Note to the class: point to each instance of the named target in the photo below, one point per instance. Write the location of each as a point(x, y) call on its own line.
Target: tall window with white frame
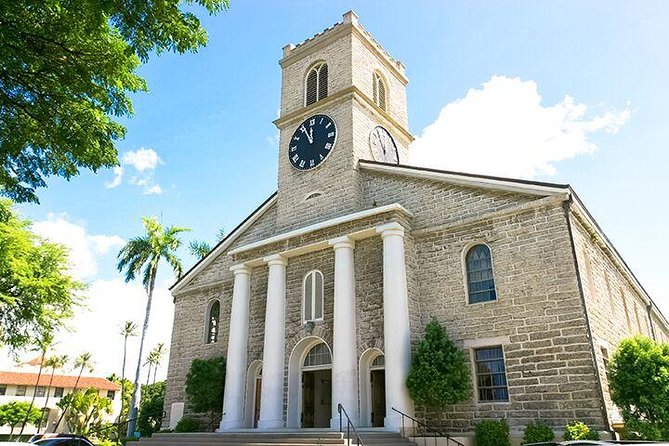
point(379, 91)
point(316, 87)
point(212, 321)
point(313, 296)
point(491, 374)
point(480, 279)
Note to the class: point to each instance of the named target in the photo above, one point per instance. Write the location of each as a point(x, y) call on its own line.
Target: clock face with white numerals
point(383, 146)
point(312, 142)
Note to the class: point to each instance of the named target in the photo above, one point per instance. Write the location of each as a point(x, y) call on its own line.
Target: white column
point(396, 332)
point(271, 396)
point(345, 358)
point(235, 372)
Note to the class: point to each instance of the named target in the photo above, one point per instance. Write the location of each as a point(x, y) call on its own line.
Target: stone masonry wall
point(615, 308)
point(538, 318)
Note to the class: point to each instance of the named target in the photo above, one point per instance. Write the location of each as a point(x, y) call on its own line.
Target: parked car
point(62, 440)
point(13, 443)
point(599, 443)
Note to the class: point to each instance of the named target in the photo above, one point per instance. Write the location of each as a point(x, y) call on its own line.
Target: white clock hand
point(310, 135)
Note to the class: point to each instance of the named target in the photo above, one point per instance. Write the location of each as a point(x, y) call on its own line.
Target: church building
point(317, 298)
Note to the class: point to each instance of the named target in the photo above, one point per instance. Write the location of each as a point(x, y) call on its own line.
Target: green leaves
point(151, 408)
point(14, 412)
point(37, 294)
point(205, 383)
point(639, 383)
point(439, 373)
point(66, 68)
point(85, 410)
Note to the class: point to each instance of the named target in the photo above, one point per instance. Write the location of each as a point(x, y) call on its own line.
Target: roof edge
point(223, 244)
point(468, 179)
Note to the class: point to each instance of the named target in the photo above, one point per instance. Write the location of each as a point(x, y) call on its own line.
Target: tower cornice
point(349, 93)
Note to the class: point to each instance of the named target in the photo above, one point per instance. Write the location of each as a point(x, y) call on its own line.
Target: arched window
point(212, 321)
point(318, 356)
point(379, 91)
point(313, 296)
point(480, 280)
point(317, 84)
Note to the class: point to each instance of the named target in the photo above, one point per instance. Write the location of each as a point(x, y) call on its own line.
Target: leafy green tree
point(85, 410)
point(492, 433)
point(639, 383)
point(537, 433)
point(142, 255)
point(205, 383)
point(439, 373)
point(14, 412)
point(37, 293)
point(151, 408)
point(154, 359)
point(66, 69)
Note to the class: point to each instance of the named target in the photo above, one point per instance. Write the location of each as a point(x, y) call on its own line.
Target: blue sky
point(208, 119)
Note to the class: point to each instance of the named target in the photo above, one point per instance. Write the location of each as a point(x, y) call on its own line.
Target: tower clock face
point(383, 146)
point(312, 142)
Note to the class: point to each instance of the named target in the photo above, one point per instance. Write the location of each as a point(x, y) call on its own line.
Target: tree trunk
point(76, 383)
point(32, 400)
point(134, 403)
point(46, 403)
point(155, 372)
point(148, 375)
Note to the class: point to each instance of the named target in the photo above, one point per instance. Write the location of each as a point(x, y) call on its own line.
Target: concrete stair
point(302, 437)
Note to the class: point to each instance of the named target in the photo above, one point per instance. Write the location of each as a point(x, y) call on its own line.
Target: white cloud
point(96, 328)
point(503, 129)
point(83, 247)
point(155, 189)
point(141, 159)
point(118, 178)
point(144, 162)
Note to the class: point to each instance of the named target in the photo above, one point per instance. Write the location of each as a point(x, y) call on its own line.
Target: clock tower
point(343, 98)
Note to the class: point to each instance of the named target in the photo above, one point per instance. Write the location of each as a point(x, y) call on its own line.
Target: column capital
point(392, 228)
point(275, 259)
point(342, 242)
point(240, 268)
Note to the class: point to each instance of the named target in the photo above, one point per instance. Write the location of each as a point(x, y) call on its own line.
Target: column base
point(394, 423)
point(270, 424)
point(334, 423)
point(227, 425)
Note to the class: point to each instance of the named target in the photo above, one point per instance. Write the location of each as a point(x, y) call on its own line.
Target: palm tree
point(128, 330)
point(142, 255)
point(159, 353)
point(83, 361)
point(55, 362)
point(43, 345)
point(199, 248)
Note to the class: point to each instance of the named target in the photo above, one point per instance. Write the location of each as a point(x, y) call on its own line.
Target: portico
point(280, 406)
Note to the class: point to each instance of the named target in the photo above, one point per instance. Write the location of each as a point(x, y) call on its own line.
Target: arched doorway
point(372, 388)
point(253, 388)
point(310, 384)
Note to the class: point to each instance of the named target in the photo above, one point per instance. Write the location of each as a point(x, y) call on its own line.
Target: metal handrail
point(439, 433)
point(349, 426)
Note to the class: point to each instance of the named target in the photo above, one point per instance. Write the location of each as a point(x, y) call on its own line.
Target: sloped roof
point(66, 381)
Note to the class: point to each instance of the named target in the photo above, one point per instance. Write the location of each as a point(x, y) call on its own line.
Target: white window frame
point(311, 318)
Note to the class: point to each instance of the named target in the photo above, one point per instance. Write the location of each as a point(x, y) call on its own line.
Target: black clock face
point(312, 142)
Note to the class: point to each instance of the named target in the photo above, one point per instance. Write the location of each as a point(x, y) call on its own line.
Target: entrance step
point(307, 437)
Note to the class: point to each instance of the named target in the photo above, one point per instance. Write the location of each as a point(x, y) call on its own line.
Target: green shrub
point(577, 430)
point(439, 373)
point(187, 425)
point(492, 433)
point(537, 432)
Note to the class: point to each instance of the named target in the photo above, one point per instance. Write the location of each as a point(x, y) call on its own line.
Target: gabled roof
point(65, 381)
point(223, 244)
point(467, 179)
